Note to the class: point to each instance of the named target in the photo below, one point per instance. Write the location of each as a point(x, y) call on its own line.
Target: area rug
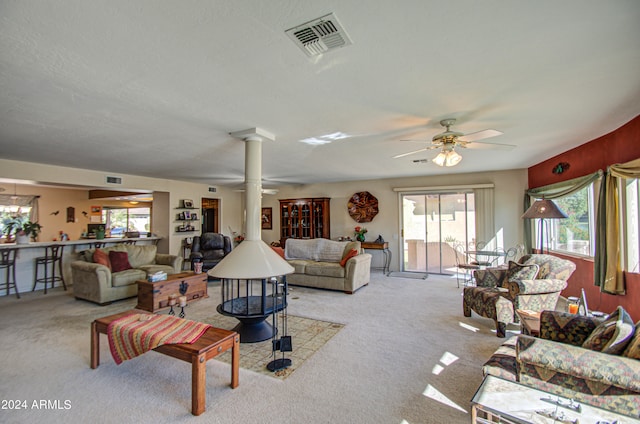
point(307, 337)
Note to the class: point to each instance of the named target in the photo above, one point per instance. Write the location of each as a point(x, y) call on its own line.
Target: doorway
point(433, 224)
point(210, 215)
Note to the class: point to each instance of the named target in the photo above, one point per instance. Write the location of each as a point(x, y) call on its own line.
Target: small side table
point(530, 322)
point(186, 253)
point(385, 251)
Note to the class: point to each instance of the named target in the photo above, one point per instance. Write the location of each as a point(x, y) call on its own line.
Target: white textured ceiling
point(154, 87)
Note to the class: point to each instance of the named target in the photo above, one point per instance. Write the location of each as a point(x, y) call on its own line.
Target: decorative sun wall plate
point(363, 206)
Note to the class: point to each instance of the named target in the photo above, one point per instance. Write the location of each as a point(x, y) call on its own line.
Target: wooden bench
point(212, 343)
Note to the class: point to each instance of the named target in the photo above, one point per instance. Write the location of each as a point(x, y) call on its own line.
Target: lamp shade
point(447, 158)
point(544, 209)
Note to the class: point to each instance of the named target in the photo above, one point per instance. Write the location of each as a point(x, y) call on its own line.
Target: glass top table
point(502, 401)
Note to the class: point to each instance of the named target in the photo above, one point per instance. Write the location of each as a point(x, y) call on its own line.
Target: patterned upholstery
point(491, 303)
point(566, 328)
point(613, 334)
point(503, 362)
point(633, 349)
point(556, 363)
point(494, 289)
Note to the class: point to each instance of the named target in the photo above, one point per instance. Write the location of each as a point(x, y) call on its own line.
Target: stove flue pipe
point(253, 258)
point(253, 186)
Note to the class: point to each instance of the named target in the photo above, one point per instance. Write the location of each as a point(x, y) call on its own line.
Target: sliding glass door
point(432, 225)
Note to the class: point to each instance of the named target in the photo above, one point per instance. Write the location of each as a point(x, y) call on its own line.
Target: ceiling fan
point(449, 140)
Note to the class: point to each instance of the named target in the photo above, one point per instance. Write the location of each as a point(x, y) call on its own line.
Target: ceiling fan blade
point(484, 145)
point(417, 141)
point(480, 135)
point(410, 153)
point(264, 190)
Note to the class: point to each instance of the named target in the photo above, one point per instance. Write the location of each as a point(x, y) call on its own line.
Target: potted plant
point(11, 225)
point(359, 232)
point(100, 232)
point(30, 230)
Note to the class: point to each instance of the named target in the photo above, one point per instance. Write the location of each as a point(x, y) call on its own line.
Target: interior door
point(210, 216)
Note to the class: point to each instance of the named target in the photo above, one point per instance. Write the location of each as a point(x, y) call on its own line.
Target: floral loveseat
point(588, 359)
point(108, 274)
point(327, 264)
point(534, 283)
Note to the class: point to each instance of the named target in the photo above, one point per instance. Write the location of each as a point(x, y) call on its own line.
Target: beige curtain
point(485, 217)
point(607, 267)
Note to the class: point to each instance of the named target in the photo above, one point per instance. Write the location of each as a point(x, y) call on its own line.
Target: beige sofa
point(97, 283)
point(317, 264)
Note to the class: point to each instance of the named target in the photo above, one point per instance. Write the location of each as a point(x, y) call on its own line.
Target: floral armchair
point(533, 283)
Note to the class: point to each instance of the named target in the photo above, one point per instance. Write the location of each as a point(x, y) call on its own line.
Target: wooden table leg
point(198, 384)
point(235, 362)
point(95, 346)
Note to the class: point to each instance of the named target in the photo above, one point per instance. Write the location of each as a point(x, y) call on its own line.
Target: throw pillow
point(101, 257)
point(279, 250)
point(613, 334)
point(349, 255)
point(633, 348)
point(119, 261)
point(517, 272)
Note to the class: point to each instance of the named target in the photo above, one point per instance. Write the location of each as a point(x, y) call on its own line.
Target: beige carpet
point(406, 355)
point(308, 336)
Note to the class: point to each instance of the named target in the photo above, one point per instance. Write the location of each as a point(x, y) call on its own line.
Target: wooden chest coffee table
point(155, 296)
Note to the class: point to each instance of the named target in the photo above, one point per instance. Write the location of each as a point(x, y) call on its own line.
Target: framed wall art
point(267, 222)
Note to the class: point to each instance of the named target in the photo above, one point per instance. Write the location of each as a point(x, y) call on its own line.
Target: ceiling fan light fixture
point(447, 158)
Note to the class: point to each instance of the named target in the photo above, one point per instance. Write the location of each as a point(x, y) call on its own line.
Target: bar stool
point(52, 255)
point(8, 261)
point(99, 244)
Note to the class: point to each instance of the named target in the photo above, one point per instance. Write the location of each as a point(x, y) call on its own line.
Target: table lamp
point(543, 209)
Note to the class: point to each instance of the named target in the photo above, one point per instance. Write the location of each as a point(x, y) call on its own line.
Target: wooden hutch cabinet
point(304, 218)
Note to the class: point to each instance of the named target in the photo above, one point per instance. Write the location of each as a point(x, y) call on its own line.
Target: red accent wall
point(619, 146)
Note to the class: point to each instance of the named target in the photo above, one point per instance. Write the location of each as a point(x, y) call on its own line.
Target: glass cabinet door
point(317, 219)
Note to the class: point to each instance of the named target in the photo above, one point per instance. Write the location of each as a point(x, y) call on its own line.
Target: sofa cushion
point(518, 271)
point(299, 265)
point(141, 254)
point(87, 255)
point(503, 362)
point(119, 261)
point(613, 334)
point(633, 348)
point(127, 277)
point(349, 255)
point(101, 257)
point(322, 250)
point(324, 269)
point(279, 250)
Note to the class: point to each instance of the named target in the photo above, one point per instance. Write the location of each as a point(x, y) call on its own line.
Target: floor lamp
point(543, 209)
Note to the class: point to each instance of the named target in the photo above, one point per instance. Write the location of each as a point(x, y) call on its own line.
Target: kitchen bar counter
point(27, 252)
point(75, 243)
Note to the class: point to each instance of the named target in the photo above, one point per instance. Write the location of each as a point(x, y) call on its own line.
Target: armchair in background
point(209, 248)
point(534, 284)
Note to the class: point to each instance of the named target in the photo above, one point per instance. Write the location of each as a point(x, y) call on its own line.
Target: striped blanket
point(136, 334)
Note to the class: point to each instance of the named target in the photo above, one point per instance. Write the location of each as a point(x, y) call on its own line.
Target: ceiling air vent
point(319, 35)
point(114, 180)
